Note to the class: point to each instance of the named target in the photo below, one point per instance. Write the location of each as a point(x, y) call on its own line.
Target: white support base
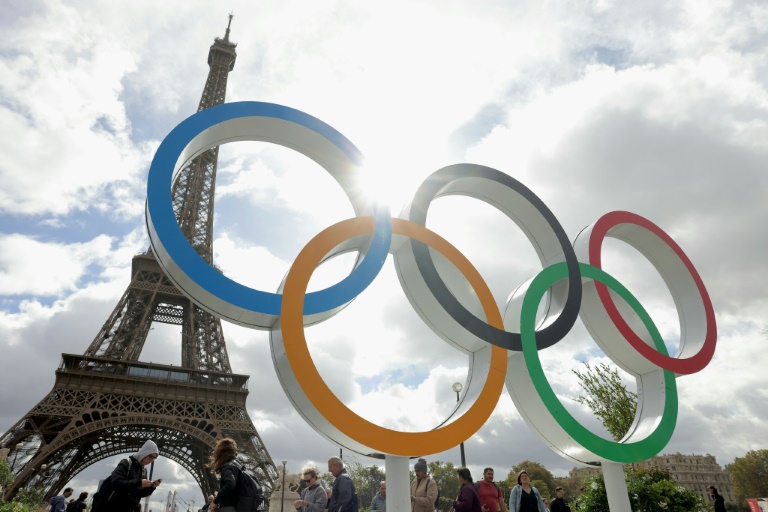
point(398, 484)
point(616, 487)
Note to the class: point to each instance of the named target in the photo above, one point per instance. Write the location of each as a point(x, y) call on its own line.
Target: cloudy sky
point(658, 108)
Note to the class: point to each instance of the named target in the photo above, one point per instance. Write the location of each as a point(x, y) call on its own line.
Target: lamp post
point(282, 493)
point(457, 387)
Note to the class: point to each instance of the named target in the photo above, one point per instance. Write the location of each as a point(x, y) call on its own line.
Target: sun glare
point(379, 186)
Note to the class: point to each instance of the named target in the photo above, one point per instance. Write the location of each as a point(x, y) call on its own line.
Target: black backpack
point(437, 500)
point(250, 498)
point(105, 493)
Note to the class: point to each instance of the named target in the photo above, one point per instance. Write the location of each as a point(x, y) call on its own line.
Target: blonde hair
point(310, 470)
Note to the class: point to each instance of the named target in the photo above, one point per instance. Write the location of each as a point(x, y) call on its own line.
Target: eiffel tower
point(108, 402)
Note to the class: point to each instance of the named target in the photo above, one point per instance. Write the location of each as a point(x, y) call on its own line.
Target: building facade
point(694, 472)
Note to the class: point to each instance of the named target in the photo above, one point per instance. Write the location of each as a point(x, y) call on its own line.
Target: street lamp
point(282, 494)
point(457, 387)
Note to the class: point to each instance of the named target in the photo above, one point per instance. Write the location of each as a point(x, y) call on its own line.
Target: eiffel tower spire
point(107, 402)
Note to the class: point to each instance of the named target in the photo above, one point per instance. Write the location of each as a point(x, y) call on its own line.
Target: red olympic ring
point(607, 225)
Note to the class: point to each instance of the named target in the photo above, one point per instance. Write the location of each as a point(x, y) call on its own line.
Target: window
point(157, 373)
point(179, 376)
point(136, 371)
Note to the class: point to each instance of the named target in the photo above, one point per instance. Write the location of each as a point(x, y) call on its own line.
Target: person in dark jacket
point(718, 500)
point(468, 500)
point(128, 482)
point(223, 462)
point(343, 489)
point(559, 504)
point(208, 503)
point(79, 505)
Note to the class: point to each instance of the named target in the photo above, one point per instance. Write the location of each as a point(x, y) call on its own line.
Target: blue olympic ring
point(162, 223)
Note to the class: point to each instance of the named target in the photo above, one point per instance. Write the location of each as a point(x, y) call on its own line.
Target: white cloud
point(65, 133)
point(254, 267)
point(30, 267)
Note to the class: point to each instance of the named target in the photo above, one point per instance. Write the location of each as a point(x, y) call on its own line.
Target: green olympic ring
point(624, 452)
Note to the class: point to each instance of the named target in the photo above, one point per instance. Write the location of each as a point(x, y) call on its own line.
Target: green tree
point(541, 478)
point(28, 499)
point(15, 506)
point(571, 486)
point(6, 476)
point(608, 398)
point(732, 507)
point(749, 475)
point(366, 480)
point(650, 490)
point(447, 479)
point(325, 479)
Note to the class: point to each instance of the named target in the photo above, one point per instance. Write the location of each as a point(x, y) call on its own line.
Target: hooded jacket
point(124, 491)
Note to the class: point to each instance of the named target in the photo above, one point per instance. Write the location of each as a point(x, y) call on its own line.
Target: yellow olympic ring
point(314, 387)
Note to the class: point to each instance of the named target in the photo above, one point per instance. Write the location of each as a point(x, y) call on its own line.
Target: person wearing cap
point(525, 497)
point(129, 482)
point(423, 489)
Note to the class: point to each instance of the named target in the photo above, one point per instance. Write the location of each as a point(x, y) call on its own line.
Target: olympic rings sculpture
point(447, 292)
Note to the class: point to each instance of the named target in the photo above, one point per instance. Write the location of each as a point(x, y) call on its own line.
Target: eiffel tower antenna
point(107, 402)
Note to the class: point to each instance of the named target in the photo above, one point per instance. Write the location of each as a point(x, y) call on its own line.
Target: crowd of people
point(128, 484)
point(481, 496)
point(65, 503)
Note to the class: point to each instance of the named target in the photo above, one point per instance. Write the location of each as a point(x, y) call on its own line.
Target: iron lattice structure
point(106, 402)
